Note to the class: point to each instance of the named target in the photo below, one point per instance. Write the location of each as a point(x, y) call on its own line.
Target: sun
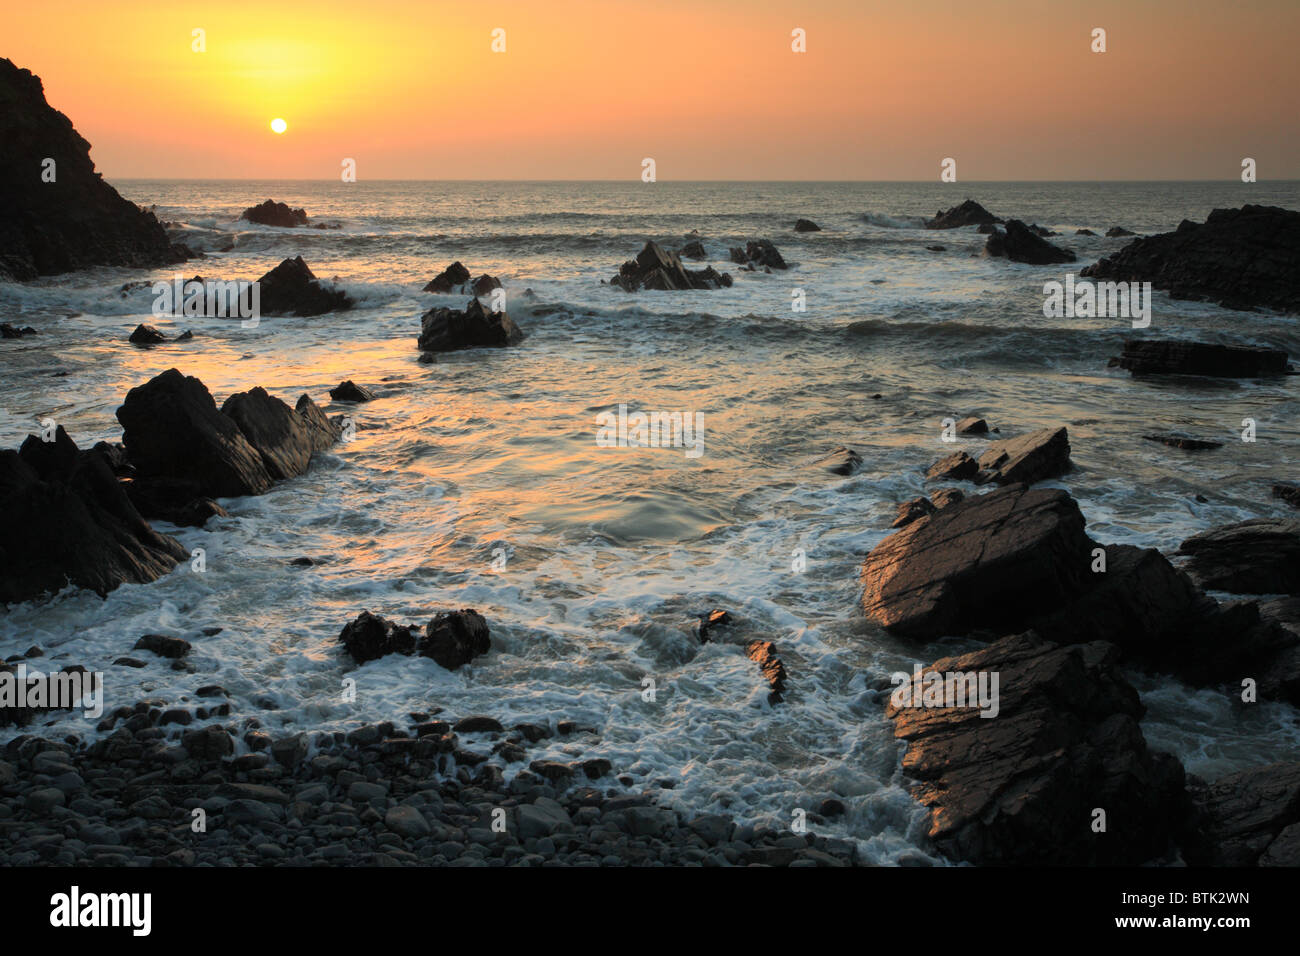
point(278, 125)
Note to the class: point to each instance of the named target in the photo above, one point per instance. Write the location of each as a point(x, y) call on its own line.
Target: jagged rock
point(972, 426)
point(958, 466)
point(76, 220)
point(758, 252)
point(1115, 232)
point(909, 511)
point(945, 497)
point(714, 620)
point(1038, 230)
point(806, 225)
point(841, 461)
point(454, 638)
point(659, 270)
point(693, 250)
point(1259, 556)
point(292, 289)
point(172, 429)
point(485, 284)
point(1084, 232)
point(1185, 442)
point(1019, 244)
point(1240, 258)
point(349, 391)
point(8, 331)
point(146, 335)
point(275, 430)
point(1250, 818)
point(969, 213)
point(324, 431)
point(66, 520)
point(1166, 357)
point(447, 330)
point(449, 280)
point(764, 654)
point(371, 637)
point(175, 500)
point(271, 213)
point(1022, 788)
point(1027, 459)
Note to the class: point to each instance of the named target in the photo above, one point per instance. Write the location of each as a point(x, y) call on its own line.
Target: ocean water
point(610, 552)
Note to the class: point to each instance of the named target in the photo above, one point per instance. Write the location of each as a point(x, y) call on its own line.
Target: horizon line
point(978, 182)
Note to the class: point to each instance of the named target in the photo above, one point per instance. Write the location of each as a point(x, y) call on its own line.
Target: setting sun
point(278, 125)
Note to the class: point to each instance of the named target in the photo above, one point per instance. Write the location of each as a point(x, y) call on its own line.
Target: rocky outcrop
point(693, 250)
point(455, 280)
point(763, 653)
point(452, 639)
point(1116, 232)
point(969, 213)
point(275, 430)
point(350, 391)
point(449, 330)
point(1019, 243)
point(1240, 258)
point(1167, 357)
point(65, 217)
point(271, 213)
point(1027, 459)
point(371, 637)
point(65, 519)
point(1251, 818)
point(806, 225)
point(1260, 556)
point(146, 335)
point(292, 289)
point(657, 269)
point(759, 254)
point(8, 331)
point(1023, 788)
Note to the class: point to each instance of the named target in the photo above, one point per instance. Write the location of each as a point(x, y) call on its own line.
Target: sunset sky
point(708, 88)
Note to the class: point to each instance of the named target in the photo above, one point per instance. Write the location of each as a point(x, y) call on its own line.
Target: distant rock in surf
point(969, 213)
point(806, 225)
point(841, 461)
point(1115, 232)
point(59, 214)
point(1020, 244)
point(350, 391)
point(1084, 232)
point(1240, 258)
point(146, 335)
point(271, 213)
point(759, 253)
point(1184, 442)
point(1169, 357)
point(8, 331)
point(657, 269)
point(693, 250)
point(452, 639)
point(449, 330)
point(292, 289)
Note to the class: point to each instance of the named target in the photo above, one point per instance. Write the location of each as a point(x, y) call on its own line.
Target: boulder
point(172, 648)
point(1240, 258)
point(1021, 789)
point(146, 335)
point(1167, 357)
point(292, 289)
point(909, 511)
point(271, 213)
point(1259, 556)
point(969, 213)
point(350, 391)
point(972, 426)
point(450, 280)
point(1115, 232)
point(65, 520)
point(958, 466)
point(758, 253)
point(485, 284)
point(448, 330)
point(806, 225)
point(693, 250)
point(371, 637)
point(75, 221)
point(172, 429)
point(454, 638)
point(763, 653)
point(659, 270)
point(1019, 244)
point(323, 431)
point(1084, 232)
point(276, 431)
point(1250, 818)
point(1026, 459)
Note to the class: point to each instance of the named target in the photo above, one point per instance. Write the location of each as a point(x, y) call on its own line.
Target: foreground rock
point(271, 213)
point(291, 288)
point(449, 330)
point(1022, 788)
point(969, 213)
point(66, 520)
point(1260, 556)
point(1019, 243)
point(1029, 458)
point(1251, 818)
point(759, 253)
point(657, 269)
point(1240, 258)
point(76, 220)
point(452, 638)
point(1165, 357)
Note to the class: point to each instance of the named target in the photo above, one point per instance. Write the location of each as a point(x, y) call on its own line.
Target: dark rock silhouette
point(1167, 357)
point(758, 253)
point(660, 270)
point(271, 213)
point(1259, 556)
point(969, 213)
point(806, 225)
point(1020, 244)
point(350, 391)
point(448, 330)
point(292, 289)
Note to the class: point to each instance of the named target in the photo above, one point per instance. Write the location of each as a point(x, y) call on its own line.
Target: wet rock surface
point(1167, 357)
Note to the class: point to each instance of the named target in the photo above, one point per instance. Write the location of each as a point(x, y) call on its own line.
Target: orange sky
point(709, 88)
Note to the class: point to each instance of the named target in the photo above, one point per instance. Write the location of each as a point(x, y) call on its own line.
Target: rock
point(909, 511)
point(449, 280)
point(485, 284)
point(958, 466)
point(542, 818)
point(1117, 231)
point(448, 330)
point(1022, 788)
point(1240, 258)
point(323, 431)
point(1249, 818)
point(271, 213)
point(937, 248)
point(987, 229)
point(945, 497)
point(759, 252)
point(1019, 244)
point(1027, 459)
point(714, 620)
point(172, 429)
point(806, 225)
point(596, 768)
point(1165, 357)
point(169, 647)
point(1259, 556)
point(276, 431)
point(972, 426)
point(454, 638)
point(371, 637)
point(478, 725)
point(407, 822)
point(146, 335)
point(1288, 492)
point(75, 221)
point(1038, 230)
point(764, 654)
point(291, 288)
point(176, 500)
point(657, 269)
point(8, 331)
point(693, 250)
point(841, 461)
point(1084, 232)
point(969, 213)
point(208, 743)
point(67, 520)
point(1185, 442)
point(350, 391)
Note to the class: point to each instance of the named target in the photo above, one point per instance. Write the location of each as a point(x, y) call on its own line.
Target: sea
point(478, 481)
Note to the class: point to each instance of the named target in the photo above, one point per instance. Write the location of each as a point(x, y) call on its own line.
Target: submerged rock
point(271, 213)
point(1240, 258)
point(1165, 357)
point(657, 269)
point(350, 391)
point(448, 330)
point(292, 289)
point(806, 225)
point(1019, 244)
point(969, 213)
point(758, 252)
point(8, 331)
point(1185, 442)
